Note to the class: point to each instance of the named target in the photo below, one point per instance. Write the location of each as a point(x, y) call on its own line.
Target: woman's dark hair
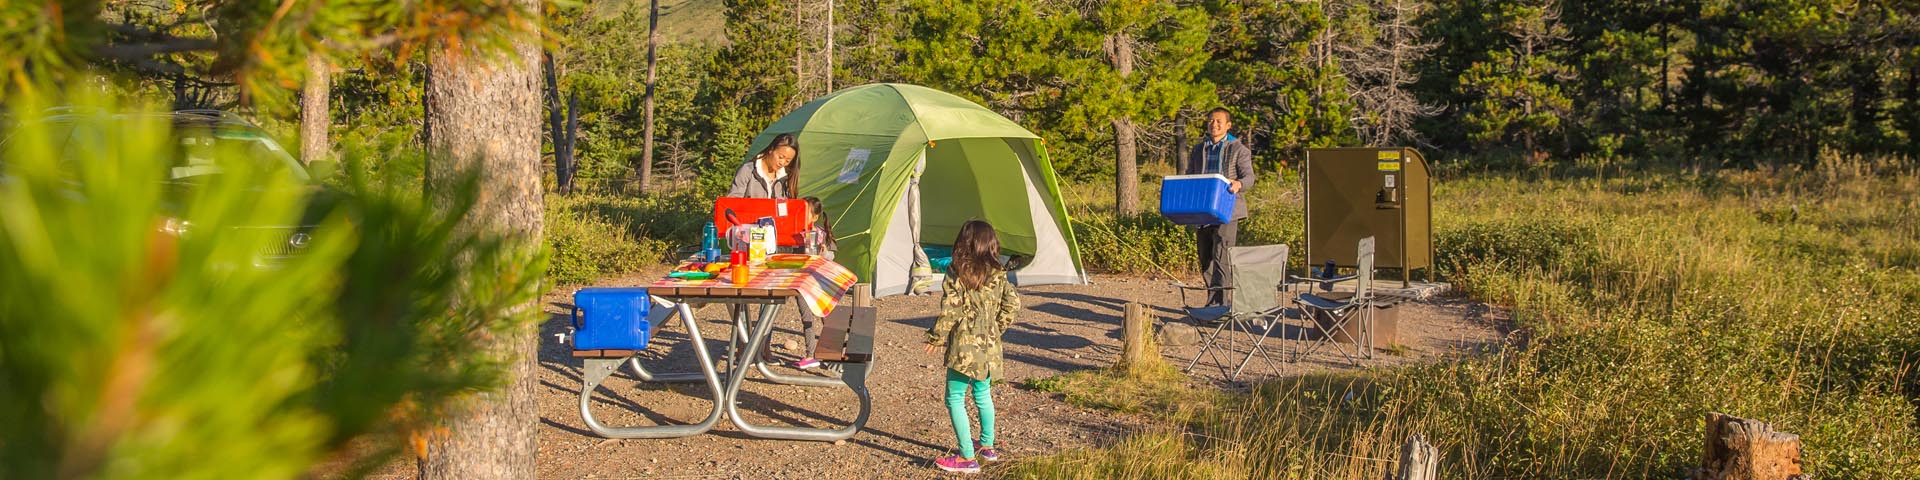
point(793, 166)
point(976, 254)
point(826, 224)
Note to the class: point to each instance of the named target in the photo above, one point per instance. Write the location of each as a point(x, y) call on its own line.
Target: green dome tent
point(860, 146)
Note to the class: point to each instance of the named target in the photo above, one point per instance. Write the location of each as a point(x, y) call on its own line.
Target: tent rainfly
point(859, 148)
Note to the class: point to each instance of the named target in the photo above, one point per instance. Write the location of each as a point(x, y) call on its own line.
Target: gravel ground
point(1063, 328)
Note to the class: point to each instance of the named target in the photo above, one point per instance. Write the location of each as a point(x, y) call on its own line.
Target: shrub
point(1511, 244)
point(586, 247)
point(1146, 243)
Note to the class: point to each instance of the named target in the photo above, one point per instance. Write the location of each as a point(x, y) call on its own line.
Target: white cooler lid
point(1216, 176)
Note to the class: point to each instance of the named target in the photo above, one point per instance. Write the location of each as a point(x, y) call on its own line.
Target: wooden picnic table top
point(723, 292)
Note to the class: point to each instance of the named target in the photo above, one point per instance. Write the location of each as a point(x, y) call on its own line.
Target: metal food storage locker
point(1385, 193)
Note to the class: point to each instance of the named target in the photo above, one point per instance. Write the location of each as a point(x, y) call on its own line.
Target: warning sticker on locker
point(1389, 161)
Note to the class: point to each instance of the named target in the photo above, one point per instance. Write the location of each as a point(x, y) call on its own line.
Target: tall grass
point(1640, 304)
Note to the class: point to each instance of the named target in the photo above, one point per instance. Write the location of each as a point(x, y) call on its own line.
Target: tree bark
point(313, 111)
point(1419, 460)
point(1126, 189)
point(557, 128)
point(1180, 150)
point(426, 104)
point(1137, 352)
point(1743, 449)
point(646, 131)
point(830, 46)
point(485, 118)
point(572, 140)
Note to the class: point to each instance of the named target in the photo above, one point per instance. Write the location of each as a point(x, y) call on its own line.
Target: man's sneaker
point(957, 464)
point(808, 363)
point(986, 453)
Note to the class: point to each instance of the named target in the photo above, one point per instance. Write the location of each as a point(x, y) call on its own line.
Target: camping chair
point(1335, 318)
point(1258, 273)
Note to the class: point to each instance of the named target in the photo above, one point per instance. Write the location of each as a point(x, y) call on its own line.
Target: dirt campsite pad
point(1061, 329)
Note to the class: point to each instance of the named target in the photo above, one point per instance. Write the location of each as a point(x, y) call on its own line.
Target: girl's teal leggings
point(957, 385)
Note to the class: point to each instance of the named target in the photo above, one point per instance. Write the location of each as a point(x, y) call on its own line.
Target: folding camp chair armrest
point(1184, 289)
point(1295, 278)
point(1190, 287)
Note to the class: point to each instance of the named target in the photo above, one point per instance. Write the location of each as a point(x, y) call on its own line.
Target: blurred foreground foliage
point(130, 350)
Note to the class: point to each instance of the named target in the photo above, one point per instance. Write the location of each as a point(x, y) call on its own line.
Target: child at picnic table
point(977, 307)
point(819, 241)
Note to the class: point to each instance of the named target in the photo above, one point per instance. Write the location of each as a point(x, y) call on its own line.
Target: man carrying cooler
point(1221, 152)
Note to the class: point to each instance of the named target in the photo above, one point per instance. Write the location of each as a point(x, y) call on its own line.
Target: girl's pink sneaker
point(986, 454)
point(957, 464)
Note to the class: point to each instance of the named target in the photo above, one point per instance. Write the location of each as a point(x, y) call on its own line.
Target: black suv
point(197, 136)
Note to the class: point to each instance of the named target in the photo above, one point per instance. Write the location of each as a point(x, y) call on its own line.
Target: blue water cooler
point(611, 319)
point(1196, 199)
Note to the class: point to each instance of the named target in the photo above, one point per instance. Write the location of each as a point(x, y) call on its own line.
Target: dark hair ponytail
point(826, 223)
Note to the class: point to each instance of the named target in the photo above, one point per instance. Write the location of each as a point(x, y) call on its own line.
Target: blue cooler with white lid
point(1196, 199)
point(611, 319)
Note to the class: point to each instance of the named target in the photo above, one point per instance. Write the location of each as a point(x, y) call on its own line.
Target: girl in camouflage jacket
point(978, 306)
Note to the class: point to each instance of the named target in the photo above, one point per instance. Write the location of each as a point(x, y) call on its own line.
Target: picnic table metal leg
point(771, 376)
point(855, 378)
point(598, 369)
point(668, 377)
point(740, 335)
point(673, 377)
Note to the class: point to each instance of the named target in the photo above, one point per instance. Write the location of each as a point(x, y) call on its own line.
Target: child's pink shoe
point(986, 454)
point(808, 363)
point(957, 464)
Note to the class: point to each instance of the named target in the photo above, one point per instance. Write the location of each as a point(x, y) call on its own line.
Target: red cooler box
point(789, 216)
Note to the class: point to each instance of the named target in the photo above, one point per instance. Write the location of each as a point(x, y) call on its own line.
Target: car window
point(201, 151)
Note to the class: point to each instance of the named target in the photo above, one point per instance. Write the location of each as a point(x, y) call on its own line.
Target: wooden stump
point(862, 294)
point(1419, 460)
point(1743, 449)
point(1137, 349)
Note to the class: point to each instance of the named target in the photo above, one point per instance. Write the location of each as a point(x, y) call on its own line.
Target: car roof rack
point(214, 113)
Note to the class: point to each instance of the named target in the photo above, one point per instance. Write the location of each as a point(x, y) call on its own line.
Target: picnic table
point(817, 286)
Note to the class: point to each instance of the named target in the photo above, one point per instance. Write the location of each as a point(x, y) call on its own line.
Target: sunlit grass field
point(1640, 304)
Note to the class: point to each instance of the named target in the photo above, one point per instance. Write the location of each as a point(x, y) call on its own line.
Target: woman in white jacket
point(773, 173)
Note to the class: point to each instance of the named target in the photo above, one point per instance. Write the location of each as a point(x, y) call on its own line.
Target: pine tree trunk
point(485, 118)
point(1127, 172)
point(572, 141)
point(556, 127)
point(426, 105)
point(1127, 167)
point(313, 111)
point(646, 130)
point(1179, 143)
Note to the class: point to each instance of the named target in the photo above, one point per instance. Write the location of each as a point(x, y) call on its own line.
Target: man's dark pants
point(1216, 259)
